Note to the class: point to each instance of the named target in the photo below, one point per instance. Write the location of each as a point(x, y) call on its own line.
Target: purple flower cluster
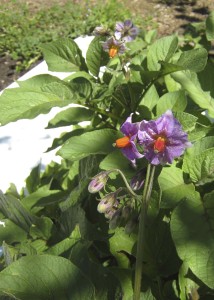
point(161, 140)
point(124, 32)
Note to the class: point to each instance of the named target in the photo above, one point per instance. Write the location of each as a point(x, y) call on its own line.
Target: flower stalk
point(141, 233)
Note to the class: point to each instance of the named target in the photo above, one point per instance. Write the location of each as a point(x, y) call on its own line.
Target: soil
point(170, 17)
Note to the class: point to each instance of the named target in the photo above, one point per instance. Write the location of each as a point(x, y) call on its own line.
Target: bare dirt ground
point(169, 18)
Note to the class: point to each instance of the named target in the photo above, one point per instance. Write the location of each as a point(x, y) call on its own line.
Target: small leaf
point(11, 233)
point(95, 56)
point(161, 50)
point(210, 26)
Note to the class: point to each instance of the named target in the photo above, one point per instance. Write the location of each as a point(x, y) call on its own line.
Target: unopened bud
point(115, 220)
point(101, 31)
point(131, 225)
point(108, 202)
point(98, 182)
point(126, 212)
point(137, 181)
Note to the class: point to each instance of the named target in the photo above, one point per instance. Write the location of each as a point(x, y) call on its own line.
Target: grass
point(23, 29)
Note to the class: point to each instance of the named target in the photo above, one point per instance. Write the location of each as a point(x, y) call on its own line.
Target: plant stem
point(141, 233)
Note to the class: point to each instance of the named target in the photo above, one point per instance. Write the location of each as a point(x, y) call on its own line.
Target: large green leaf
point(192, 226)
point(95, 142)
point(161, 50)
point(63, 55)
point(70, 116)
point(190, 84)
point(19, 103)
point(45, 277)
point(194, 60)
point(210, 26)
point(37, 82)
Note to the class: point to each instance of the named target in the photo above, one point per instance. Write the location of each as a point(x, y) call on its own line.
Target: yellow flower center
point(123, 142)
point(113, 51)
point(160, 144)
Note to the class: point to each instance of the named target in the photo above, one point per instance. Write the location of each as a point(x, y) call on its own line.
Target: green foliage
point(25, 27)
point(54, 241)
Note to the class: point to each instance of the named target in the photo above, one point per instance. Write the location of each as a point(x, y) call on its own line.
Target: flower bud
point(126, 212)
point(131, 225)
point(98, 182)
point(107, 203)
point(115, 220)
point(137, 181)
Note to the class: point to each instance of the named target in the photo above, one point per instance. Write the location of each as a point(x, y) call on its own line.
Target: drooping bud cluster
point(115, 44)
point(117, 209)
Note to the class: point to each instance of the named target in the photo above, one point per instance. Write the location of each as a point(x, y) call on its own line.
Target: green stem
point(126, 183)
point(141, 233)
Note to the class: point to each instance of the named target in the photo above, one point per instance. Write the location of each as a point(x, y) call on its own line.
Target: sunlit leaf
point(45, 277)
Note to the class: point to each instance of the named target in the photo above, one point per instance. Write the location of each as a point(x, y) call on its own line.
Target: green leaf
point(161, 50)
point(210, 26)
point(63, 55)
point(201, 169)
point(81, 86)
point(66, 244)
point(70, 116)
point(175, 101)
point(95, 142)
point(13, 209)
point(116, 160)
point(11, 233)
point(194, 60)
point(37, 82)
point(45, 277)
point(196, 150)
point(173, 187)
point(187, 121)
point(43, 196)
point(201, 98)
point(192, 226)
point(95, 56)
point(186, 285)
point(151, 98)
point(120, 244)
point(125, 278)
point(18, 104)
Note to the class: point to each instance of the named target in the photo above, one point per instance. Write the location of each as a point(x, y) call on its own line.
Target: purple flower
point(126, 31)
point(114, 47)
point(163, 139)
point(127, 144)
